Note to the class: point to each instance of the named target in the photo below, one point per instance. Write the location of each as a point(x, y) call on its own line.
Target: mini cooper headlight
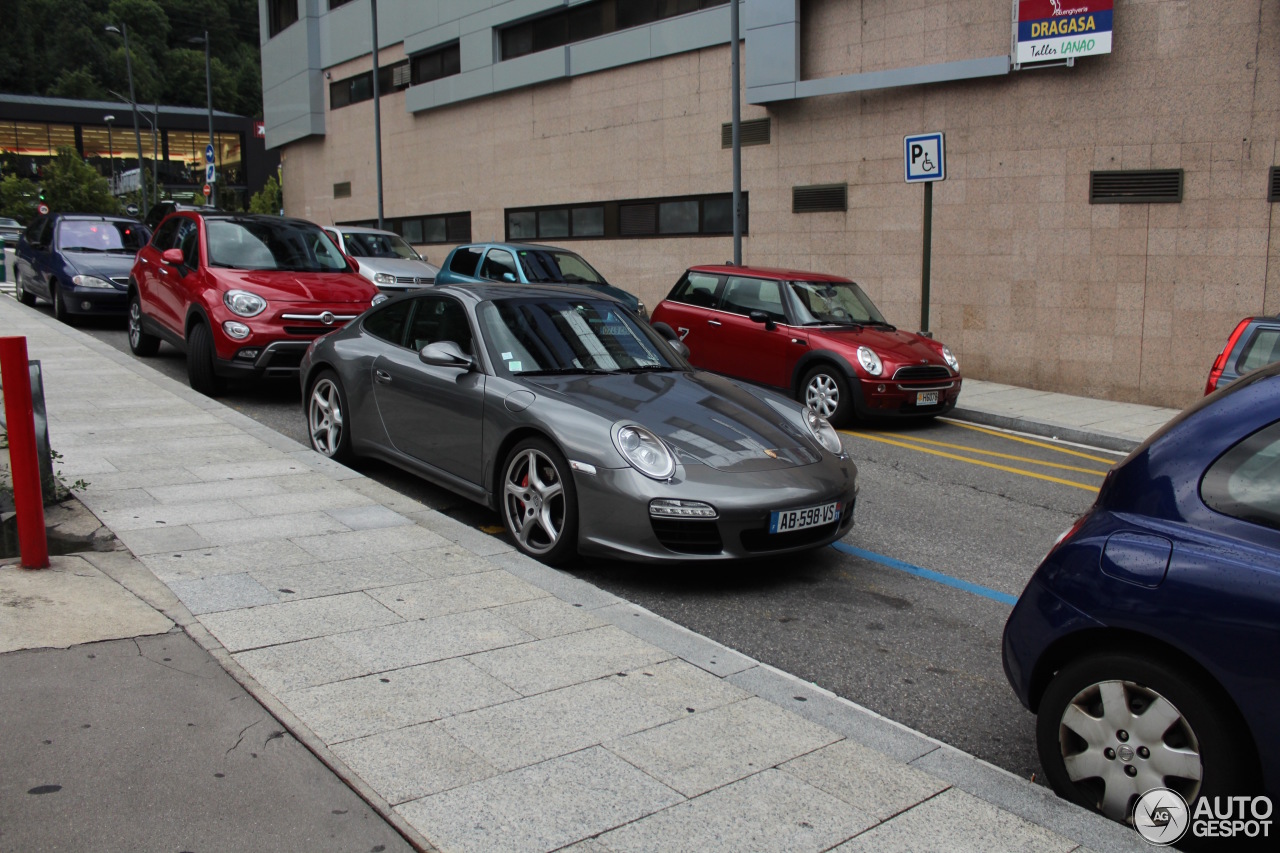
point(644, 451)
point(384, 278)
point(950, 358)
point(242, 303)
point(92, 281)
point(870, 361)
point(823, 431)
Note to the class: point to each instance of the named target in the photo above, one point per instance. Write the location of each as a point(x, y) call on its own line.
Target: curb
point(1093, 438)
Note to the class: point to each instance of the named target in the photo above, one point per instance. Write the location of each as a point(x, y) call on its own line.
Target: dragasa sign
point(1054, 30)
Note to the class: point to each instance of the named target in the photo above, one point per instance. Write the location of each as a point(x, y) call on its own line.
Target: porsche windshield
point(266, 244)
point(550, 336)
point(834, 302)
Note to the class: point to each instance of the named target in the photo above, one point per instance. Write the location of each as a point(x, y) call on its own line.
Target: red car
point(243, 295)
point(817, 337)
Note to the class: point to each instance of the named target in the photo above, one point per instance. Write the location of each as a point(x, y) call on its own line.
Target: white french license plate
point(787, 520)
point(927, 398)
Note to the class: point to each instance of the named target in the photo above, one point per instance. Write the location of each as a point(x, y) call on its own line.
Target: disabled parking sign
point(925, 157)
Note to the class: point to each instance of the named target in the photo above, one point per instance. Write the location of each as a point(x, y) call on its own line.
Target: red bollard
point(19, 414)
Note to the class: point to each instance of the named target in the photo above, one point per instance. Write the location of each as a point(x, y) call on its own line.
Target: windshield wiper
point(565, 371)
point(646, 368)
point(881, 324)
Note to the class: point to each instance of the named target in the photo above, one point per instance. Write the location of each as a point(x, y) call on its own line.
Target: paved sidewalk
point(477, 699)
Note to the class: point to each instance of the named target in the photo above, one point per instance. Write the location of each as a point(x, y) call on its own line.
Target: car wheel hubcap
point(326, 417)
point(534, 501)
point(135, 323)
point(1120, 739)
point(822, 395)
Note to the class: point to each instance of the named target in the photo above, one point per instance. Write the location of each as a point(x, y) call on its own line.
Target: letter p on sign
point(924, 157)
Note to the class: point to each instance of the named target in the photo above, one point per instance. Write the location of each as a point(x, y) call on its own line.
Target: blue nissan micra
point(1148, 640)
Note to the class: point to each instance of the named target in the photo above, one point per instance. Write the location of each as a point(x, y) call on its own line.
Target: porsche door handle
point(382, 377)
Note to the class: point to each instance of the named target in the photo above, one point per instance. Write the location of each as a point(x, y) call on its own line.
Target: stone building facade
point(1037, 278)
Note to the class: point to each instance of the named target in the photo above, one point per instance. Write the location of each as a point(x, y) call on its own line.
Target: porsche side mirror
point(680, 347)
point(445, 354)
point(762, 317)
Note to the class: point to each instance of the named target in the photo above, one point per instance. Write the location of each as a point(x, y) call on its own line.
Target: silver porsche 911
point(585, 429)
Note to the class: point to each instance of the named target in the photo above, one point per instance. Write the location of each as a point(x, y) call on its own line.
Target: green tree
point(81, 84)
point(18, 198)
point(73, 186)
point(269, 200)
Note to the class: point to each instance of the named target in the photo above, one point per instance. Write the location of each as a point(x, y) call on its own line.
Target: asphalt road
point(975, 508)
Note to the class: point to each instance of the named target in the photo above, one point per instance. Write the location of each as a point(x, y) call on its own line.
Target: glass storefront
point(26, 148)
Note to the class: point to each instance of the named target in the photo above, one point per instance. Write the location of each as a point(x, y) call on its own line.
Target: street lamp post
point(111, 151)
point(208, 89)
point(123, 31)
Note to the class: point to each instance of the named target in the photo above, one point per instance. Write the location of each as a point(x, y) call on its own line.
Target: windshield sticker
point(506, 356)
point(514, 366)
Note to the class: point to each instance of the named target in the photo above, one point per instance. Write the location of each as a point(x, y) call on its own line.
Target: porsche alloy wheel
point(539, 504)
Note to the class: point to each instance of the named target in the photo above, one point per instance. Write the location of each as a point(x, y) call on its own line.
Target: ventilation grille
point(636, 219)
point(342, 190)
point(1144, 186)
point(1273, 184)
point(819, 198)
point(751, 132)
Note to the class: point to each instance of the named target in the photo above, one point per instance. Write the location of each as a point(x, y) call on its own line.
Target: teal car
point(529, 263)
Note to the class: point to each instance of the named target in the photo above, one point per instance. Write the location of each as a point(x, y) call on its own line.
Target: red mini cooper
point(817, 337)
point(243, 295)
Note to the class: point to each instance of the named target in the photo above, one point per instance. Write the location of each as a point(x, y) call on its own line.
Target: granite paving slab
point(708, 749)
point(222, 592)
point(539, 808)
point(358, 543)
point(240, 630)
point(517, 734)
point(178, 564)
point(547, 617)
point(456, 594)
point(681, 687)
point(413, 762)
point(311, 578)
point(371, 704)
point(864, 779)
point(767, 812)
point(570, 659)
point(142, 517)
point(294, 666)
point(268, 527)
point(425, 640)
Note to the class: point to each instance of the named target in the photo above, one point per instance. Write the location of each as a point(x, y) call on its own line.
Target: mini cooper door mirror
point(445, 354)
point(762, 317)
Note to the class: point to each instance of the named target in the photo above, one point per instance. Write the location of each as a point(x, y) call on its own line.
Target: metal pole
point(928, 252)
point(133, 102)
point(737, 137)
point(208, 90)
point(377, 109)
point(155, 155)
point(111, 152)
point(19, 410)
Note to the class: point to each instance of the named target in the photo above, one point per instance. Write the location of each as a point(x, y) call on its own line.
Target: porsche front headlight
point(644, 451)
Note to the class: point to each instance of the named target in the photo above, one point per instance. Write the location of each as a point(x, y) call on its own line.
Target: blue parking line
point(927, 574)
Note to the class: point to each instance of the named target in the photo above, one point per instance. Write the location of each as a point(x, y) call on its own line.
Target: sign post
point(925, 161)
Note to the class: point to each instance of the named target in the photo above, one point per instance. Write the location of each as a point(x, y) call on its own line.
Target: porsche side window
point(389, 322)
point(1245, 481)
point(439, 319)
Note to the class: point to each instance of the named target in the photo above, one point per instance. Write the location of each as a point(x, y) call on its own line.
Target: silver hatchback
point(384, 257)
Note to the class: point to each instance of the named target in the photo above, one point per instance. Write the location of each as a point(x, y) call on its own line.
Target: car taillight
point(1220, 363)
point(1069, 532)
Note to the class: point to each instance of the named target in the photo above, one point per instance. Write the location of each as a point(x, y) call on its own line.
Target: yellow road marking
point(958, 458)
point(968, 449)
point(492, 529)
point(1034, 443)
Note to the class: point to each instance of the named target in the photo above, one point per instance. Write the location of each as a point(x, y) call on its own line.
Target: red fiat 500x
point(818, 337)
point(243, 295)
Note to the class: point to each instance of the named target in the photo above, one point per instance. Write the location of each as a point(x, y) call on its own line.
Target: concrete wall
point(1031, 284)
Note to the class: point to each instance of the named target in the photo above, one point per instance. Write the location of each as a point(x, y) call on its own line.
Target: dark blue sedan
point(1148, 641)
point(79, 262)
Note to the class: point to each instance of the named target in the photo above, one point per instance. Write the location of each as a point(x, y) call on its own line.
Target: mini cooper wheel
point(1113, 726)
point(539, 502)
point(141, 343)
point(826, 391)
point(200, 360)
point(327, 418)
point(24, 296)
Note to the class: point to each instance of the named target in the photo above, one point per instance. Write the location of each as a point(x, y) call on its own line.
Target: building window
point(333, 4)
point(280, 14)
point(353, 90)
point(588, 20)
point(427, 228)
point(342, 190)
point(702, 215)
point(434, 64)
